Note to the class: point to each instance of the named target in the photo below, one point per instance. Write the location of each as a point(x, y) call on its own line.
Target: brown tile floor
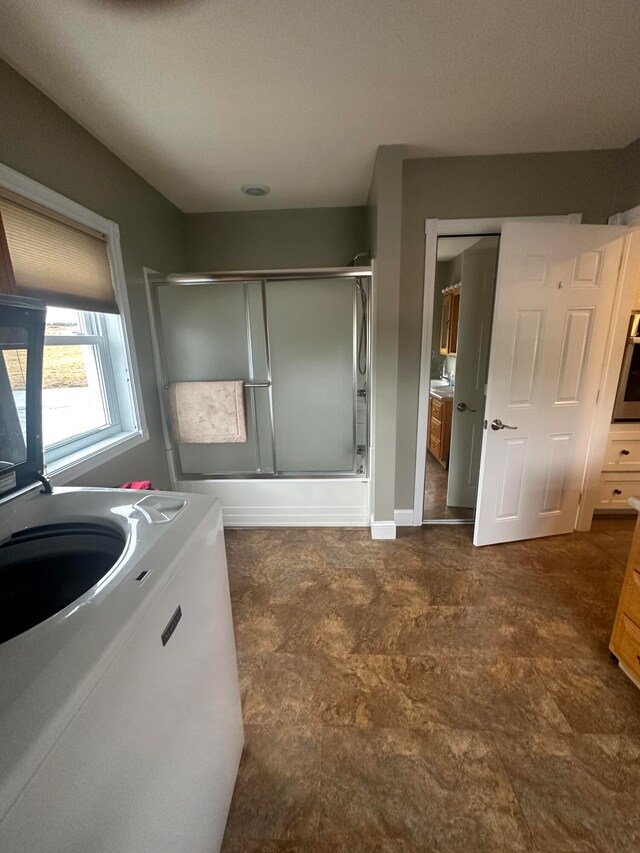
point(423, 695)
point(435, 494)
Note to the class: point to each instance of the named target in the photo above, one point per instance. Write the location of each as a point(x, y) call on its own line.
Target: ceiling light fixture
point(255, 189)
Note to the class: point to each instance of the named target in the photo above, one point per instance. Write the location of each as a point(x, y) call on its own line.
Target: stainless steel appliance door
point(627, 405)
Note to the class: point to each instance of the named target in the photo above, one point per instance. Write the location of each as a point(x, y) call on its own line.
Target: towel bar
point(257, 384)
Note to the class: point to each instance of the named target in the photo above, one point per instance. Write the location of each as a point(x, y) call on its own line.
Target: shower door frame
point(154, 280)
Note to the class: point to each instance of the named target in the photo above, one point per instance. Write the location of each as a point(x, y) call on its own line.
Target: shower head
point(366, 254)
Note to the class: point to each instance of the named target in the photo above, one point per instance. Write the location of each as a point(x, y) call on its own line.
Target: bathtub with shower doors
point(299, 341)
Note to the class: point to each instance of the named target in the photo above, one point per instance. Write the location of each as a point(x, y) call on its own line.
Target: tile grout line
point(551, 696)
point(492, 735)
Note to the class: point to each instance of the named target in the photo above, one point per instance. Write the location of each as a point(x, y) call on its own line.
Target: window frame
point(95, 335)
point(70, 459)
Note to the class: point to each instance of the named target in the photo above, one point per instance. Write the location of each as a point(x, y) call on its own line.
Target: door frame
point(626, 217)
point(616, 343)
point(435, 228)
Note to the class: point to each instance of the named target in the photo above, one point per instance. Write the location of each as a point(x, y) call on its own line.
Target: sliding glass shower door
point(294, 342)
point(312, 368)
point(217, 333)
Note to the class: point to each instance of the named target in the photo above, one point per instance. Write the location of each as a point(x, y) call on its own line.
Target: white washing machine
point(120, 719)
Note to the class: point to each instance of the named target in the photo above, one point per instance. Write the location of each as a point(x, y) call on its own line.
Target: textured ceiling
point(201, 96)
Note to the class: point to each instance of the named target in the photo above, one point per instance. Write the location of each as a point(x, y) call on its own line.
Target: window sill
point(68, 468)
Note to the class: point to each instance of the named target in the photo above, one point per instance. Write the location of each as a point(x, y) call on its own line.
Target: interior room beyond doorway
point(462, 314)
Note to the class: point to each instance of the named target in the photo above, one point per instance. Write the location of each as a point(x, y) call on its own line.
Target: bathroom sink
point(441, 389)
point(44, 569)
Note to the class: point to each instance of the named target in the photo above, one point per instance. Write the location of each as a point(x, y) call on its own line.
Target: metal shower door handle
point(497, 424)
point(462, 407)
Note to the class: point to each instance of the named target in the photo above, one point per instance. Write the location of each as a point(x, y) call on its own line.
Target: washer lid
point(22, 326)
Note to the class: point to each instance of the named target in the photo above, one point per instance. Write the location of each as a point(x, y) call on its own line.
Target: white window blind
point(60, 262)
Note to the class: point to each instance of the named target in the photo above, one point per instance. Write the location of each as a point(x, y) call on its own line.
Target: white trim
point(616, 342)
point(627, 217)
point(122, 298)
point(26, 187)
point(403, 517)
point(68, 468)
point(490, 225)
point(383, 529)
point(149, 277)
point(435, 228)
point(33, 191)
point(372, 385)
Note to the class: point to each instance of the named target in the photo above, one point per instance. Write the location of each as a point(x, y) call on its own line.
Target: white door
point(474, 335)
point(555, 293)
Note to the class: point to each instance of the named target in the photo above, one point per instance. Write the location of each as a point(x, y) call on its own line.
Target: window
point(81, 401)
point(70, 258)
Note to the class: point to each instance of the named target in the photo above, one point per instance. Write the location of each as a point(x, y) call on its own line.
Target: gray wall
point(384, 218)
point(275, 239)
point(628, 194)
point(467, 187)
point(41, 141)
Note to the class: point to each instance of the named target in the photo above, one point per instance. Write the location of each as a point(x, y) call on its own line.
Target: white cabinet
point(623, 451)
point(620, 477)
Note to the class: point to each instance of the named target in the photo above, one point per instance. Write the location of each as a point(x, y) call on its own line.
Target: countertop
point(440, 391)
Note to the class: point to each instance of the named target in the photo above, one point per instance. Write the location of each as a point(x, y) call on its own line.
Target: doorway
point(463, 298)
point(559, 293)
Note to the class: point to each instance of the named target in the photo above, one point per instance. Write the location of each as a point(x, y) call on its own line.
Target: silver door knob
point(462, 407)
point(497, 424)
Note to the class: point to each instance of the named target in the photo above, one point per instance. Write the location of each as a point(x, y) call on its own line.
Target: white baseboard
point(383, 529)
point(403, 517)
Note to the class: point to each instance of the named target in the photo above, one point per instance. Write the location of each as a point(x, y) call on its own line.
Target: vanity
point(625, 639)
point(440, 414)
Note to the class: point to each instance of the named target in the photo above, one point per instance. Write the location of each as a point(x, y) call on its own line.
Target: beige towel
point(207, 412)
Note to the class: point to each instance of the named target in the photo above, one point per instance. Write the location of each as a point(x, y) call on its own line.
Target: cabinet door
point(445, 324)
point(453, 323)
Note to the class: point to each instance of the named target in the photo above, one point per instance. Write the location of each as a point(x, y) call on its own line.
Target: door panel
point(573, 359)
point(555, 292)
point(558, 454)
point(512, 480)
point(527, 341)
point(216, 333)
point(474, 334)
point(311, 339)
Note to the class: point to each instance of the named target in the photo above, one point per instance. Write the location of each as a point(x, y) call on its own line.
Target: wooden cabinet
point(449, 322)
point(439, 435)
point(625, 639)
